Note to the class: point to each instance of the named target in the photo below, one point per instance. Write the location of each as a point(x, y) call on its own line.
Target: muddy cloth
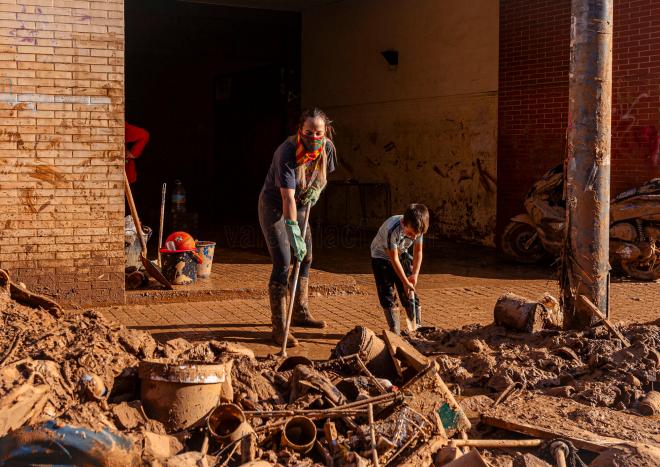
point(387, 280)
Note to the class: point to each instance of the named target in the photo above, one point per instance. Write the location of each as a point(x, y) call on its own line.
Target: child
point(393, 265)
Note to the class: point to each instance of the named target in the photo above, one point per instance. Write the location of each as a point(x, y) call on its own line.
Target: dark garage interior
point(218, 89)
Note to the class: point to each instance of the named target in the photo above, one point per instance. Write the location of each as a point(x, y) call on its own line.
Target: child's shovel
point(413, 322)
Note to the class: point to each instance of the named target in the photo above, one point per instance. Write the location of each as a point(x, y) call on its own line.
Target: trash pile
point(76, 389)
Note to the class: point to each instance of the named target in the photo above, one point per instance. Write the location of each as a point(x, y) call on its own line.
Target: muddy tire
point(515, 237)
point(642, 270)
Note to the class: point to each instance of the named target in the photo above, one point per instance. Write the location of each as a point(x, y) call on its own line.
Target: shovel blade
point(155, 272)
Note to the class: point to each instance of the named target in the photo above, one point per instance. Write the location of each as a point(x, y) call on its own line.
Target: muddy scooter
point(634, 227)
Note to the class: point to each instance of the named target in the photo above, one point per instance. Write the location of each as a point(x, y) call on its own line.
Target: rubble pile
point(588, 366)
point(77, 389)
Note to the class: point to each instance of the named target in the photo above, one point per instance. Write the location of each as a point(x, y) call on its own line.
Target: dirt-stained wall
point(62, 147)
point(427, 127)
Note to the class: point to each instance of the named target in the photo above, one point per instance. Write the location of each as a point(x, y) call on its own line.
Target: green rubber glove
point(311, 195)
point(295, 239)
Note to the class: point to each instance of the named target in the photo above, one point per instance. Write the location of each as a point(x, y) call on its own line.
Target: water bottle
point(178, 198)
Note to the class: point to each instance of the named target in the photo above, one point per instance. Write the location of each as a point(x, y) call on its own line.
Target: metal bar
point(585, 268)
point(497, 443)
point(374, 452)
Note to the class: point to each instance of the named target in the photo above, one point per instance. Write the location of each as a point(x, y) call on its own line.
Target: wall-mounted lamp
point(392, 58)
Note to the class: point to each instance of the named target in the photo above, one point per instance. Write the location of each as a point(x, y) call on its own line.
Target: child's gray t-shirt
point(390, 236)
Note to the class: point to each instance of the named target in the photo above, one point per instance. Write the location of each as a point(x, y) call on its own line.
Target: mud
point(81, 370)
point(588, 367)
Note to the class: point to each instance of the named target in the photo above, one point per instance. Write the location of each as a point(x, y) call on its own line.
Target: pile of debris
point(77, 389)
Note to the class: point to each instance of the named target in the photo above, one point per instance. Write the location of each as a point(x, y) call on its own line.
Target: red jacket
point(136, 139)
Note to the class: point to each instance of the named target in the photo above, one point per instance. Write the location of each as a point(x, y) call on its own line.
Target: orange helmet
point(182, 240)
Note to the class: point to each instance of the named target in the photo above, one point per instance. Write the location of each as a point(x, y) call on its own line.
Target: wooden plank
point(592, 428)
point(401, 349)
point(530, 430)
point(432, 398)
point(392, 350)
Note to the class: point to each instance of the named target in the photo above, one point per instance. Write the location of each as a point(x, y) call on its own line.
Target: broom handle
point(134, 214)
point(294, 285)
point(162, 217)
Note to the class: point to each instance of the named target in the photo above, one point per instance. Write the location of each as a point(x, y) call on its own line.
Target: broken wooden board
point(432, 398)
point(593, 428)
point(402, 350)
point(392, 352)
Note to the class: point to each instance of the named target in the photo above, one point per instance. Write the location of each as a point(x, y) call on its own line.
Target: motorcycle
point(634, 226)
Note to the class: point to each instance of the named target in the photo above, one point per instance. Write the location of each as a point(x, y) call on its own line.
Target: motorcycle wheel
point(515, 238)
point(643, 270)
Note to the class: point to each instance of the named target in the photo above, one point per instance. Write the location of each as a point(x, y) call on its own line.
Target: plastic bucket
point(371, 349)
point(181, 395)
point(205, 250)
point(179, 266)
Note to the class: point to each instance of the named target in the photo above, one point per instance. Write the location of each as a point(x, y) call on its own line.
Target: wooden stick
point(366, 371)
point(594, 309)
point(162, 217)
point(374, 452)
point(294, 286)
point(496, 443)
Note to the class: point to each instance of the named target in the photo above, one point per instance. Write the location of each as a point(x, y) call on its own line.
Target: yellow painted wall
point(428, 128)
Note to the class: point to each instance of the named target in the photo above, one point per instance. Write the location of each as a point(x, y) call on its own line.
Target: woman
point(295, 180)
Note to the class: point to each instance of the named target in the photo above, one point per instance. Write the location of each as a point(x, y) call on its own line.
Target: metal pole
point(586, 256)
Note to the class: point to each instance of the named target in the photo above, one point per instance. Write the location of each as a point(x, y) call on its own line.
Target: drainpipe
point(585, 268)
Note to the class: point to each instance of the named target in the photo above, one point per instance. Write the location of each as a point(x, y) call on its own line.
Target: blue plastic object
point(65, 445)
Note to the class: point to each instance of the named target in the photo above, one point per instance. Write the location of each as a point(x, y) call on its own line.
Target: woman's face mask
point(313, 134)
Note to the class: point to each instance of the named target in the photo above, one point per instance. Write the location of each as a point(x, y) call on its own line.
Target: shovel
point(150, 267)
point(413, 322)
point(294, 286)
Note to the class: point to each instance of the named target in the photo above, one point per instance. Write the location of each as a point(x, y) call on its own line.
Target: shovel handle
point(162, 218)
point(134, 214)
point(294, 285)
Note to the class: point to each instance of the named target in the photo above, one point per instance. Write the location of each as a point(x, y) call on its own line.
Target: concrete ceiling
point(283, 5)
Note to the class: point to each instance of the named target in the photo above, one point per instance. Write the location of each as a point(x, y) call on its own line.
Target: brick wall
point(61, 141)
point(533, 95)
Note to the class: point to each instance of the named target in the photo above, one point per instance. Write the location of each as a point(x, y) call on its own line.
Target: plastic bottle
point(178, 198)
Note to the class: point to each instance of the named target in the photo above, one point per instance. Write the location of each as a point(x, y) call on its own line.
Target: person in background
point(136, 139)
point(392, 265)
point(296, 177)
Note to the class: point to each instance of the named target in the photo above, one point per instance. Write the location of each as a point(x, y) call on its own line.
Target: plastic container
point(179, 266)
point(178, 199)
point(371, 349)
point(205, 250)
point(180, 395)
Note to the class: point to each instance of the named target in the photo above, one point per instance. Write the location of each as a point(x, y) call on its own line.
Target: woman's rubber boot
point(277, 294)
point(301, 315)
point(392, 317)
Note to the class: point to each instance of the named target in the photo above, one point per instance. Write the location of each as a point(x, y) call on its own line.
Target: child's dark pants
point(386, 282)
